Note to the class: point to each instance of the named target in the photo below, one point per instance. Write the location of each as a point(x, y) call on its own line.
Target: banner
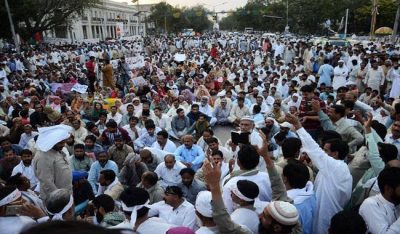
point(135, 62)
point(64, 87)
point(120, 29)
point(180, 57)
point(56, 41)
point(79, 88)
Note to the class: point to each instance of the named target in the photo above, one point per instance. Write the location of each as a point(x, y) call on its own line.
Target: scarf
point(241, 173)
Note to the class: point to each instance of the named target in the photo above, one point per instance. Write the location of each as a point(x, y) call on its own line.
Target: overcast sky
point(230, 4)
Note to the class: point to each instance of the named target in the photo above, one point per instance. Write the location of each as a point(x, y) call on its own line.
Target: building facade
point(108, 20)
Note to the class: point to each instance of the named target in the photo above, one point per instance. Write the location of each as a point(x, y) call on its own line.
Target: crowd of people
point(312, 137)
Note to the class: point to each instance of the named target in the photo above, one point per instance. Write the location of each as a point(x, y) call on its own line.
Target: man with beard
point(189, 185)
point(50, 163)
point(26, 169)
point(7, 164)
point(102, 163)
point(381, 211)
point(119, 151)
point(79, 161)
point(163, 143)
point(104, 211)
point(393, 138)
point(109, 184)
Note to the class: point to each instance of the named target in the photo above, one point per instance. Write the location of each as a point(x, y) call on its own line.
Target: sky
point(228, 4)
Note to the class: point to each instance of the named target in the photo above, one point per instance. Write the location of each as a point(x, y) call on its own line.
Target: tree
point(32, 16)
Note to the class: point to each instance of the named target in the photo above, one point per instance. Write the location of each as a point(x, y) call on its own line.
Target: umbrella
point(384, 31)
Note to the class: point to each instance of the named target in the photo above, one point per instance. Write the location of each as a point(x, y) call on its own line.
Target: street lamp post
point(214, 6)
point(396, 22)
point(12, 27)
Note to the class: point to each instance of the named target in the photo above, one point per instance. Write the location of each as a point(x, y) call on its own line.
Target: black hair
point(248, 157)
point(148, 124)
point(212, 140)
point(179, 110)
point(174, 190)
point(297, 174)
point(291, 147)
point(256, 109)
point(26, 151)
point(151, 177)
point(111, 124)
point(187, 170)
point(67, 227)
point(280, 136)
point(163, 133)
point(307, 89)
point(347, 222)
point(329, 135)
point(379, 128)
point(134, 118)
point(91, 138)
point(105, 201)
point(79, 146)
point(248, 188)
point(209, 130)
point(339, 109)
point(339, 146)
point(108, 174)
point(15, 180)
point(195, 105)
point(217, 152)
point(389, 176)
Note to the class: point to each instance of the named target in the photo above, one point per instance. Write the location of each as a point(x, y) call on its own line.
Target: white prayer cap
point(249, 118)
point(341, 61)
point(286, 125)
point(221, 94)
point(350, 83)
point(50, 136)
point(203, 204)
point(283, 212)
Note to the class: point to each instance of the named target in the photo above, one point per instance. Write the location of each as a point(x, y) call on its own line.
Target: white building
point(104, 21)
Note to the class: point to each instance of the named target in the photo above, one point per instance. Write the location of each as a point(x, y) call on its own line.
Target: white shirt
point(207, 230)
point(14, 224)
point(28, 173)
point(117, 117)
point(333, 183)
point(169, 146)
point(23, 142)
point(246, 217)
point(184, 215)
point(261, 179)
point(154, 225)
point(380, 215)
point(169, 177)
point(131, 133)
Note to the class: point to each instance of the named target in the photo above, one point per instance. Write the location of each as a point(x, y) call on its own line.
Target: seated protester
point(160, 119)
point(126, 117)
point(207, 133)
point(12, 223)
point(381, 212)
point(190, 154)
point(7, 164)
point(26, 169)
point(82, 190)
point(149, 182)
point(132, 171)
point(109, 184)
point(222, 112)
point(94, 131)
point(79, 131)
point(26, 136)
point(238, 111)
point(392, 138)
point(207, 110)
point(105, 213)
point(102, 163)
point(340, 223)
point(111, 132)
point(258, 117)
point(91, 147)
point(175, 209)
point(5, 144)
point(189, 185)
point(132, 128)
point(218, 159)
point(114, 115)
point(271, 128)
point(195, 113)
point(276, 145)
point(169, 171)
point(163, 143)
point(243, 195)
point(333, 181)
point(248, 160)
point(24, 186)
point(79, 161)
point(135, 207)
point(180, 124)
point(149, 159)
point(199, 126)
point(148, 137)
point(336, 120)
point(204, 213)
point(119, 151)
point(70, 142)
point(277, 216)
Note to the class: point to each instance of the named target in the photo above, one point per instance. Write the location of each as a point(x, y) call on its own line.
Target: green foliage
point(307, 16)
point(175, 19)
point(31, 16)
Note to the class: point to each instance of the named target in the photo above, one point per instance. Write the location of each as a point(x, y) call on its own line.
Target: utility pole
point(12, 27)
point(345, 26)
point(396, 22)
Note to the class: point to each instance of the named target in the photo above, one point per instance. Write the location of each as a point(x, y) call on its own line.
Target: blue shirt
point(306, 211)
point(194, 155)
point(325, 72)
point(95, 170)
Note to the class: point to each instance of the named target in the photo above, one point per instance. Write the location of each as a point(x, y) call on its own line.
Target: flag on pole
point(341, 24)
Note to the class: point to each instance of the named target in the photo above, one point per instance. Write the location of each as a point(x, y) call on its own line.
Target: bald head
point(188, 141)
point(169, 161)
